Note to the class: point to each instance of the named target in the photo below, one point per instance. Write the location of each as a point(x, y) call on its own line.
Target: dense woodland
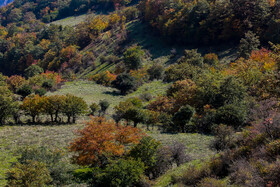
point(236, 101)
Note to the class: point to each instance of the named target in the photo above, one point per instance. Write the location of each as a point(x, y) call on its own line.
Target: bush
point(178, 151)
point(40, 91)
point(59, 170)
point(94, 108)
point(211, 59)
point(192, 57)
point(223, 137)
point(232, 114)
point(104, 78)
point(183, 117)
point(25, 90)
point(104, 105)
point(121, 173)
point(32, 173)
point(125, 83)
point(163, 163)
point(244, 174)
point(133, 57)
point(212, 182)
point(193, 175)
point(146, 151)
point(156, 72)
point(48, 84)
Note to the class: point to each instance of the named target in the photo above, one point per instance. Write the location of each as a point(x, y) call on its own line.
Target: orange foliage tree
point(15, 82)
point(102, 139)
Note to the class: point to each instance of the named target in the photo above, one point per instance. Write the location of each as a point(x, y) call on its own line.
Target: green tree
point(125, 83)
point(133, 57)
point(247, 44)
point(122, 172)
point(192, 57)
point(183, 117)
point(74, 106)
point(54, 106)
point(7, 105)
point(146, 151)
point(33, 70)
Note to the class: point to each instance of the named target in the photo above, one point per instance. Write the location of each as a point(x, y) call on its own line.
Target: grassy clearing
point(93, 93)
point(70, 21)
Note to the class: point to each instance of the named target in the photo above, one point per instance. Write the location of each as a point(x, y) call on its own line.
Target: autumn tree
point(15, 82)
point(74, 106)
point(33, 106)
point(102, 139)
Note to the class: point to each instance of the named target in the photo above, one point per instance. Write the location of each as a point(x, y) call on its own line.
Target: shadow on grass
point(113, 93)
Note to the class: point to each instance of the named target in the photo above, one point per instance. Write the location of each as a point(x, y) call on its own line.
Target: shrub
point(232, 114)
point(104, 78)
point(273, 148)
point(163, 163)
point(211, 59)
point(40, 91)
point(156, 72)
point(178, 151)
point(146, 151)
point(59, 169)
point(212, 182)
point(223, 137)
point(121, 173)
point(94, 108)
point(182, 118)
point(192, 57)
point(194, 174)
point(125, 83)
point(104, 105)
point(244, 174)
point(25, 90)
point(48, 84)
point(133, 57)
point(32, 173)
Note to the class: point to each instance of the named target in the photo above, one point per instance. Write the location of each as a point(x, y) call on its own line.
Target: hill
point(158, 93)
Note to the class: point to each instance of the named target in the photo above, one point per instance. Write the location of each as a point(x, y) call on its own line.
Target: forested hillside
point(158, 93)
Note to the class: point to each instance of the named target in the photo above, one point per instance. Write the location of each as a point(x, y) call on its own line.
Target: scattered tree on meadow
point(74, 106)
point(33, 106)
point(102, 139)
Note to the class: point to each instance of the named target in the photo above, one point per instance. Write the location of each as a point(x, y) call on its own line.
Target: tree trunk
point(68, 118)
point(52, 117)
point(33, 119)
